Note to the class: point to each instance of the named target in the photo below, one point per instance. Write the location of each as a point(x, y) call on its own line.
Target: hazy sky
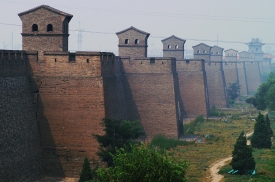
point(194, 20)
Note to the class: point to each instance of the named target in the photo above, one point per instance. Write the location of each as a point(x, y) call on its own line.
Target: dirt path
point(215, 167)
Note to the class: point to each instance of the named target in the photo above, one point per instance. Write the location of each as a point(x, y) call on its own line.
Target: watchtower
point(202, 51)
point(255, 47)
point(132, 42)
point(216, 53)
point(173, 47)
point(45, 29)
point(231, 55)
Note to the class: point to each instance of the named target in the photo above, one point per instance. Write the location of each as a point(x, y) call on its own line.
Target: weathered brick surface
point(253, 76)
point(216, 84)
point(71, 106)
point(242, 77)
point(216, 53)
point(151, 95)
point(20, 154)
point(202, 51)
point(193, 87)
point(230, 72)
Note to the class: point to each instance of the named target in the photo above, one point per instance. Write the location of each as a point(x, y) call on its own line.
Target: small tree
point(86, 172)
point(233, 92)
point(261, 136)
point(242, 159)
point(119, 133)
point(270, 131)
point(143, 164)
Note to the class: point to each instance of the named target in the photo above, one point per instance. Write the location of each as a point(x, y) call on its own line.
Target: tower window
point(211, 52)
point(152, 60)
point(198, 51)
point(217, 52)
point(204, 51)
point(34, 28)
point(49, 28)
point(136, 41)
point(176, 46)
point(126, 41)
point(169, 46)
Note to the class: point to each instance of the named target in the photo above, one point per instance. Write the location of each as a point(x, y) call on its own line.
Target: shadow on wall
point(50, 158)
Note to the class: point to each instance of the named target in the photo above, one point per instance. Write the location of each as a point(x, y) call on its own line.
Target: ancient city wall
point(216, 84)
point(242, 77)
point(71, 106)
point(193, 87)
point(151, 94)
point(20, 154)
point(253, 76)
point(230, 72)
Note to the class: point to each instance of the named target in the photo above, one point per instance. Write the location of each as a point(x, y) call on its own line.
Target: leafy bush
point(119, 133)
point(143, 164)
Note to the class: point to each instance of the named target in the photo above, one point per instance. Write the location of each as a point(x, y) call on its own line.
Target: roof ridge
point(173, 36)
point(134, 29)
point(46, 7)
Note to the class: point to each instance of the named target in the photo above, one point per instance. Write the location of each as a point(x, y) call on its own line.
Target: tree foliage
point(118, 134)
point(270, 131)
point(233, 92)
point(261, 136)
point(242, 159)
point(86, 172)
point(143, 164)
point(265, 96)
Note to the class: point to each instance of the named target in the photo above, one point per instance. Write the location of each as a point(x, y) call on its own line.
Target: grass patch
point(164, 143)
point(193, 126)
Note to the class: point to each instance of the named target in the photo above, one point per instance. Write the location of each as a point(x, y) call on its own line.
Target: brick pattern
point(151, 95)
point(216, 84)
point(253, 76)
point(193, 88)
point(242, 78)
point(173, 47)
point(230, 72)
point(20, 155)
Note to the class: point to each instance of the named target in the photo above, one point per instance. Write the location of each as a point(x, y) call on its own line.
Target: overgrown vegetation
point(190, 128)
point(242, 159)
point(162, 143)
point(265, 96)
point(261, 135)
point(215, 112)
point(118, 134)
point(143, 164)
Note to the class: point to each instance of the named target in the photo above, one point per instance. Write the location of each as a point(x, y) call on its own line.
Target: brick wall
point(151, 95)
point(216, 84)
point(71, 106)
point(242, 77)
point(253, 76)
point(193, 87)
point(20, 154)
point(230, 72)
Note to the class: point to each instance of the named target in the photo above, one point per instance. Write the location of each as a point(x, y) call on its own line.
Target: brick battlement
point(190, 65)
point(148, 65)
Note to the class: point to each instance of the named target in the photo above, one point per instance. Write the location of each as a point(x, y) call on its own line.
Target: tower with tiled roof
point(45, 29)
point(173, 47)
point(132, 42)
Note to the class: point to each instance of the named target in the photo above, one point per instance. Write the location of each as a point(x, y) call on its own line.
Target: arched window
point(217, 52)
point(176, 46)
point(169, 46)
point(126, 41)
point(49, 28)
point(136, 41)
point(34, 28)
point(212, 52)
point(198, 51)
point(204, 51)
